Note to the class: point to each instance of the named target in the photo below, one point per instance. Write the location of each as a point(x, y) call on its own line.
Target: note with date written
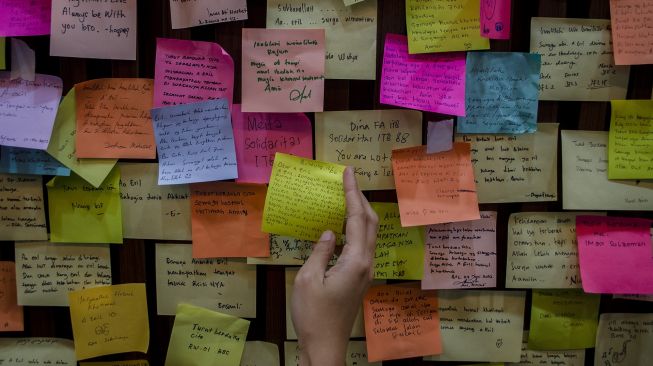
point(17, 160)
point(495, 18)
point(11, 314)
point(24, 18)
point(37, 350)
point(257, 353)
point(631, 29)
point(630, 140)
point(548, 358)
point(22, 208)
point(356, 354)
point(439, 136)
point(186, 14)
point(624, 339)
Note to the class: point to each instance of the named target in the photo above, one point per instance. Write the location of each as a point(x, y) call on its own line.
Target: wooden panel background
point(134, 260)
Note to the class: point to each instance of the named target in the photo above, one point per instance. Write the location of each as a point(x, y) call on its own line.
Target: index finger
point(359, 214)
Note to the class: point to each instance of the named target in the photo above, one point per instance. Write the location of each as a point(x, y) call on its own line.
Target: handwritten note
point(11, 314)
point(81, 213)
point(624, 339)
point(195, 142)
point(16, 160)
point(615, 254)
point(433, 83)
point(191, 71)
point(439, 136)
point(481, 325)
point(113, 119)
point(206, 337)
point(62, 145)
point(444, 26)
point(283, 70)
point(285, 250)
point(502, 93)
point(630, 141)
point(461, 254)
point(220, 284)
point(47, 272)
point(24, 18)
point(495, 18)
point(364, 140)
point(22, 212)
point(516, 168)
point(45, 351)
point(257, 353)
point(28, 109)
point(631, 29)
point(446, 194)
point(151, 211)
point(94, 29)
point(186, 14)
point(548, 358)
point(577, 60)
point(356, 354)
point(305, 198)
point(350, 32)
point(585, 176)
point(259, 136)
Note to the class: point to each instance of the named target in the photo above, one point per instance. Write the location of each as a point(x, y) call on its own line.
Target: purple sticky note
point(495, 19)
point(25, 18)
point(440, 136)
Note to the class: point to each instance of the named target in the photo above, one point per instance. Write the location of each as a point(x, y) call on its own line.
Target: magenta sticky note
point(25, 18)
point(258, 136)
point(615, 254)
point(427, 82)
point(495, 19)
point(439, 136)
point(190, 72)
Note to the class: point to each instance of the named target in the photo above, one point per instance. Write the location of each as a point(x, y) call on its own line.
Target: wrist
point(322, 353)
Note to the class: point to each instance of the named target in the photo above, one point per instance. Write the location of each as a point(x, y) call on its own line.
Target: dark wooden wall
point(134, 261)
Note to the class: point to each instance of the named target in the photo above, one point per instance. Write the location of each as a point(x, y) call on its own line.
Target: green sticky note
point(630, 140)
point(3, 63)
point(563, 319)
point(62, 145)
point(81, 213)
point(399, 250)
point(207, 338)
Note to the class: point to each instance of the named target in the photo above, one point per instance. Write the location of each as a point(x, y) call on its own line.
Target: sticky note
point(399, 251)
point(495, 19)
point(615, 254)
point(24, 18)
point(29, 109)
point(11, 314)
point(23, 61)
point(47, 271)
point(501, 93)
point(195, 142)
point(461, 254)
point(439, 136)
point(117, 363)
point(81, 213)
point(630, 141)
point(286, 250)
point(283, 70)
point(220, 284)
point(22, 210)
point(631, 29)
point(3, 64)
point(400, 322)
point(113, 119)
point(480, 326)
point(105, 30)
point(191, 71)
point(151, 211)
point(624, 339)
point(205, 337)
point(585, 176)
point(447, 195)
point(53, 351)
point(16, 160)
point(577, 60)
point(350, 33)
point(186, 14)
point(356, 354)
point(432, 83)
point(548, 358)
point(364, 140)
point(257, 353)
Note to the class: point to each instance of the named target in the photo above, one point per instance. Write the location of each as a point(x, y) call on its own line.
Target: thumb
point(322, 253)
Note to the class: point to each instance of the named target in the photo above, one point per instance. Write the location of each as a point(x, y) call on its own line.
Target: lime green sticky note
point(81, 213)
point(444, 26)
point(399, 250)
point(3, 63)
point(563, 319)
point(201, 337)
point(630, 140)
point(62, 145)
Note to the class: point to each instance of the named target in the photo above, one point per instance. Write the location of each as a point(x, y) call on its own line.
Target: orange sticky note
point(632, 31)
point(226, 220)
point(113, 119)
point(401, 321)
point(435, 188)
point(11, 315)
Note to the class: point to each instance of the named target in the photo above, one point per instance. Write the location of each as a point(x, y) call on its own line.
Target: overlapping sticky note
point(631, 29)
point(548, 358)
point(204, 337)
point(11, 314)
point(630, 141)
point(3, 60)
point(16, 160)
point(22, 209)
point(439, 136)
point(25, 18)
point(285, 250)
point(624, 339)
point(38, 350)
point(185, 14)
point(495, 19)
point(23, 61)
point(257, 353)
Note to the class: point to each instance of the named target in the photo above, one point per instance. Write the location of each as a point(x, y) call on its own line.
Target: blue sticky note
point(195, 142)
point(439, 136)
point(16, 160)
point(501, 93)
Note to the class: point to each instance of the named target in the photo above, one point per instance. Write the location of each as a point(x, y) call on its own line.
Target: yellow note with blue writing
point(630, 140)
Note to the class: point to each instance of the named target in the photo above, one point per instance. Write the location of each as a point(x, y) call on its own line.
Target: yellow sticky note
point(109, 319)
point(202, 337)
point(117, 363)
point(444, 26)
point(399, 250)
point(3, 64)
point(305, 198)
point(630, 141)
point(80, 213)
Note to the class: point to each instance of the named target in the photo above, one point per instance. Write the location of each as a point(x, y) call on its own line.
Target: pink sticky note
point(495, 19)
point(258, 136)
point(440, 136)
point(615, 255)
point(190, 72)
point(24, 18)
point(428, 82)
point(283, 70)
point(632, 31)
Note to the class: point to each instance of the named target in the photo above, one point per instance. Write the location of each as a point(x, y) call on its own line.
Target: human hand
point(325, 302)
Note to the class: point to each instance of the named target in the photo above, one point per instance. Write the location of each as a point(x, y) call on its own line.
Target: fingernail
point(326, 236)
